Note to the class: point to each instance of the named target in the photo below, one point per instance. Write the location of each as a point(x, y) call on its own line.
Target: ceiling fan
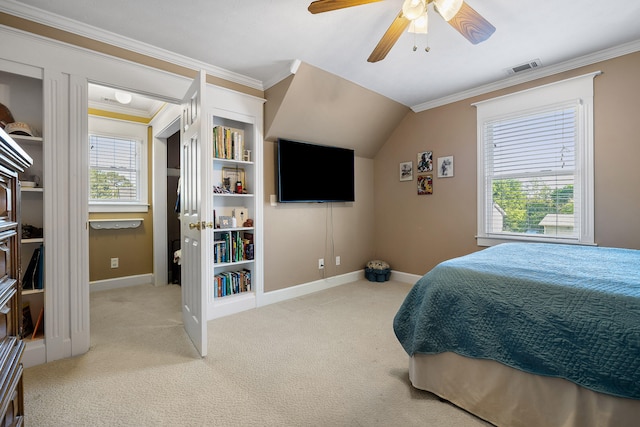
point(457, 13)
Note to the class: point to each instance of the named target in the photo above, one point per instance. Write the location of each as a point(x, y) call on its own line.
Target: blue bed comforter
point(556, 310)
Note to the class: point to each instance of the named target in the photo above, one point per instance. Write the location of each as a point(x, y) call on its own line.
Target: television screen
point(314, 173)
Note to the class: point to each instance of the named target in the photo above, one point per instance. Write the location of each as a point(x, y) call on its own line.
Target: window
point(535, 164)
point(117, 174)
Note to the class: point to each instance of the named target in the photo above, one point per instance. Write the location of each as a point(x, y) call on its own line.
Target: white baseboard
point(308, 288)
point(120, 282)
point(399, 276)
point(320, 285)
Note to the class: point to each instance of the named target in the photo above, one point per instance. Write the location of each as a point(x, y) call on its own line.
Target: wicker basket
point(377, 271)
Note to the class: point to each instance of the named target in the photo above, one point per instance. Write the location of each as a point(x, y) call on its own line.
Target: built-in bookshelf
point(26, 102)
point(235, 179)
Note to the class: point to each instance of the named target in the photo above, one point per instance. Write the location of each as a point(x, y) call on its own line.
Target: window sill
point(493, 240)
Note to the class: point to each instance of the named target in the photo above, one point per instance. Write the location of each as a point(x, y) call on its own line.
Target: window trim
point(578, 89)
point(140, 205)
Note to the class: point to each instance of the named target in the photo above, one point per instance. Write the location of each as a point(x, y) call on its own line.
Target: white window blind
point(530, 165)
point(115, 169)
point(535, 165)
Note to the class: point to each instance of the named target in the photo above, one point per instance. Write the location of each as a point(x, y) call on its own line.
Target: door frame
point(169, 122)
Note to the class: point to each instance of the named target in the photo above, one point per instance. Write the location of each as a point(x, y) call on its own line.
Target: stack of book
point(229, 143)
point(232, 282)
point(232, 247)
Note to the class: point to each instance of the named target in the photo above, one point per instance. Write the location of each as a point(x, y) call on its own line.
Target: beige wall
point(298, 234)
point(414, 233)
point(133, 246)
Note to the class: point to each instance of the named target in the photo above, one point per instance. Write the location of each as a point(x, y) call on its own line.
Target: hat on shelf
point(5, 116)
point(18, 128)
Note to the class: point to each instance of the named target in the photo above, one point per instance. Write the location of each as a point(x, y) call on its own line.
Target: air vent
point(536, 63)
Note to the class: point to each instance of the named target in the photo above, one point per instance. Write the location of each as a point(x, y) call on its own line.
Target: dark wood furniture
point(12, 161)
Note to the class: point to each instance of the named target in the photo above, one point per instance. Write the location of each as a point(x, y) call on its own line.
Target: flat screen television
point(314, 173)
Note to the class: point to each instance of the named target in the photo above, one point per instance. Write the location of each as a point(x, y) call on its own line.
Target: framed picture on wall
point(425, 184)
point(425, 161)
point(406, 171)
point(445, 167)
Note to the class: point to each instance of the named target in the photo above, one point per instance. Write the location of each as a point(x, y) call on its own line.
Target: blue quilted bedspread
point(556, 310)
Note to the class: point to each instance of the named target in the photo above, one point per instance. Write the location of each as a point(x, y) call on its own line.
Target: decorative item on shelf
point(18, 128)
point(234, 175)
point(248, 251)
point(225, 221)
point(5, 116)
point(241, 214)
point(221, 190)
point(31, 232)
point(246, 156)
point(248, 223)
point(377, 271)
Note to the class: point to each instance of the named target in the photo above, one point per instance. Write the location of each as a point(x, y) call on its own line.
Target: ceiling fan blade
point(389, 38)
point(320, 6)
point(472, 25)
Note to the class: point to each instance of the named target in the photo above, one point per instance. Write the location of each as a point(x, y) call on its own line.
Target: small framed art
point(406, 171)
point(425, 184)
point(425, 161)
point(445, 167)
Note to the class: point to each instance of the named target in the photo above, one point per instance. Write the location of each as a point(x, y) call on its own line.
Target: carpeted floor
point(325, 359)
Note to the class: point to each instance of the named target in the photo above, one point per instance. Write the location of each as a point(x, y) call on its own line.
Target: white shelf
point(31, 189)
point(115, 224)
point(34, 240)
point(25, 138)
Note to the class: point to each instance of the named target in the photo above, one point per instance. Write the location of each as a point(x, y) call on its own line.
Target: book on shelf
point(34, 274)
point(39, 323)
point(27, 320)
point(228, 143)
point(232, 282)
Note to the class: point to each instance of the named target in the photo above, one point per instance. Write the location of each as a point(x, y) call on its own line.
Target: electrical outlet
point(114, 262)
point(321, 263)
point(338, 260)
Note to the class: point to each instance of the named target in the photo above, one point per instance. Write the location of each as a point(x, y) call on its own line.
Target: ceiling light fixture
point(420, 24)
point(414, 9)
point(448, 8)
point(123, 97)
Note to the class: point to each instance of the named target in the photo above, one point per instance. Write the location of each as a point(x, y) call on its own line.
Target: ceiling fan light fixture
point(420, 25)
point(413, 9)
point(123, 97)
point(448, 8)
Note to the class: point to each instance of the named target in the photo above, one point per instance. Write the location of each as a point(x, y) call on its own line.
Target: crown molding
point(528, 76)
point(39, 16)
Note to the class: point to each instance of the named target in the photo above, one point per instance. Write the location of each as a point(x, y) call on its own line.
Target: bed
point(525, 334)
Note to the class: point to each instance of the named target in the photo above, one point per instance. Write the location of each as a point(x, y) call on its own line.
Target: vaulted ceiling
point(260, 39)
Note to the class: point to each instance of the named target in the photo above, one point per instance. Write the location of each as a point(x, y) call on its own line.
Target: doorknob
point(207, 225)
point(194, 225)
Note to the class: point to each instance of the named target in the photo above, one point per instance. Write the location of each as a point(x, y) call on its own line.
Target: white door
point(193, 174)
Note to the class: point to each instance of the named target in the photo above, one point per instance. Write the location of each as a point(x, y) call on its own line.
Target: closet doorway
point(145, 254)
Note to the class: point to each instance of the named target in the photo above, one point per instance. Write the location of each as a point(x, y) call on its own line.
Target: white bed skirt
point(507, 397)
